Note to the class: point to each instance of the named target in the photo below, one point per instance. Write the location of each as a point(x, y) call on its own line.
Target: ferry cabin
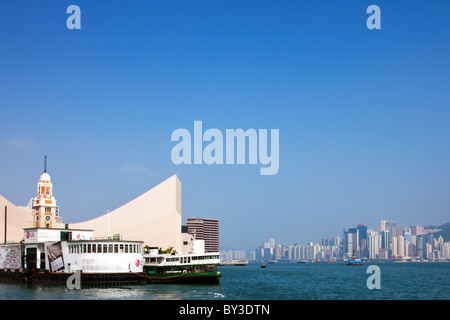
point(181, 263)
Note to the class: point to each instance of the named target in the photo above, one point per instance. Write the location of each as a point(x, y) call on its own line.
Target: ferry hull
point(354, 264)
point(86, 279)
point(186, 278)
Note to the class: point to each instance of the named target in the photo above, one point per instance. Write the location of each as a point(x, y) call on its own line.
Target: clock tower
point(44, 204)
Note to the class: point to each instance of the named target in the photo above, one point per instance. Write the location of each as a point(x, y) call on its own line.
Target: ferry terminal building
point(153, 219)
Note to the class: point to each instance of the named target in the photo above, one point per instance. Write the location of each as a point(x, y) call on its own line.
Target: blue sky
point(363, 114)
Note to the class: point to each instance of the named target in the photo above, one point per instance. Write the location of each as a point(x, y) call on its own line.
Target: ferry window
point(84, 248)
point(110, 248)
point(88, 248)
point(94, 248)
point(105, 248)
point(126, 248)
point(116, 248)
point(121, 248)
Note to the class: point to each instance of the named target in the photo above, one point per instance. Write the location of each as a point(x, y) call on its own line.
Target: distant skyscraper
point(350, 241)
point(362, 238)
point(394, 247)
point(401, 246)
point(205, 229)
point(382, 225)
point(385, 239)
point(389, 229)
point(373, 241)
point(420, 247)
point(362, 230)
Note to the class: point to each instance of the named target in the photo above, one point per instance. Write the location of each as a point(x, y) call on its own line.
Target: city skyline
point(339, 241)
point(362, 115)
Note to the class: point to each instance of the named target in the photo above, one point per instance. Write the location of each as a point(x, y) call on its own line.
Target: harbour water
point(281, 281)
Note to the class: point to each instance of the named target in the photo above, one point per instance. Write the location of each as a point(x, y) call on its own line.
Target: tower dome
point(44, 177)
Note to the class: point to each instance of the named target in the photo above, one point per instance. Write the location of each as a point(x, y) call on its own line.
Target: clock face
point(48, 218)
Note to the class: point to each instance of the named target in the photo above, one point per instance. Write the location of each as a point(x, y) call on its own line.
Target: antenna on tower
point(45, 164)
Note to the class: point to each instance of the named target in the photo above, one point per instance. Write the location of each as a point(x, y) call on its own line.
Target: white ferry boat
point(182, 268)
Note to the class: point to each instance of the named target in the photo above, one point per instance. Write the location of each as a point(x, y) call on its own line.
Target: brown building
point(205, 229)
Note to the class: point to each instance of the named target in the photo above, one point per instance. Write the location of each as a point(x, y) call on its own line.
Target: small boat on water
point(263, 265)
point(353, 261)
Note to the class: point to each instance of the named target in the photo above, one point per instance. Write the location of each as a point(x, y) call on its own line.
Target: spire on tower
point(45, 164)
